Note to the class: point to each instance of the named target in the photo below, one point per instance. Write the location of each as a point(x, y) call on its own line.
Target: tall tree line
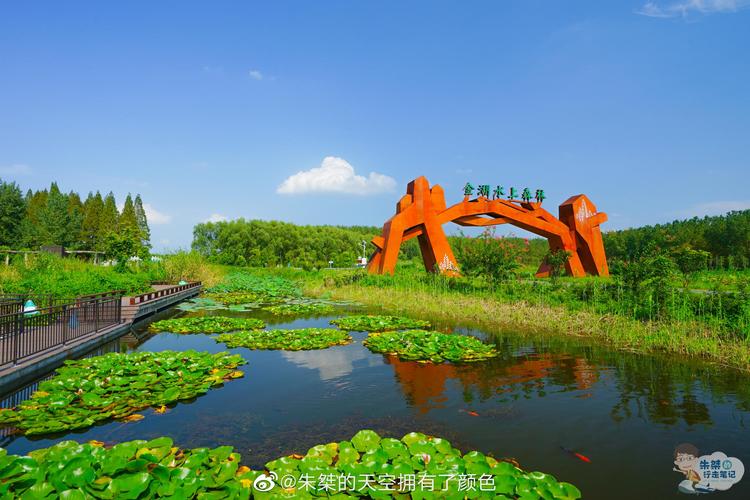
point(51, 217)
point(726, 238)
point(272, 243)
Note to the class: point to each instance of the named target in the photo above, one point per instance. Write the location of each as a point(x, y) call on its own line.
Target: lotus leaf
point(436, 347)
point(287, 340)
point(136, 469)
point(208, 304)
point(370, 461)
point(206, 324)
point(291, 309)
point(265, 288)
point(117, 385)
point(372, 323)
point(158, 469)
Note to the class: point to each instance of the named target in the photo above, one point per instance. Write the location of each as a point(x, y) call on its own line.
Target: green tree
point(74, 237)
point(140, 217)
point(55, 219)
point(93, 208)
point(12, 213)
point(494, 258)
point(121, 246)
point(36, 203)
point(107, 220)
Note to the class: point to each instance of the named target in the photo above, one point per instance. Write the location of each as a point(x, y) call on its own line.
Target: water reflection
point(330, 363)
point(424, 385)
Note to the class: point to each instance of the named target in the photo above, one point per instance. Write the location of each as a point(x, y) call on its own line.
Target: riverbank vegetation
point(45, 274)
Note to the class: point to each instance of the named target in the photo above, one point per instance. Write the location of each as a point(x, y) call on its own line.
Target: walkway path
point(134, 310)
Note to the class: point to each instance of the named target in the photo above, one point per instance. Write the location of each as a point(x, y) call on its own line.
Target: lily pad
point(417, 465)
point(436, 347)
point(206, 324)
point(136, 469)
point(118, 385)
point(287, 340)
point(299, 309)
point(373, 323)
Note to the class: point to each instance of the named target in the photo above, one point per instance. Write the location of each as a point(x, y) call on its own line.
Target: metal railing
point(24, 334)
point(9, 302)
point(162, 293)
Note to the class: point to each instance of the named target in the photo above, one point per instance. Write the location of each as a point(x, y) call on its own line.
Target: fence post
point(96, 315)
point(17, 337)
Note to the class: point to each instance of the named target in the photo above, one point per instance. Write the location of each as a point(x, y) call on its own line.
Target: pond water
point(625, 412)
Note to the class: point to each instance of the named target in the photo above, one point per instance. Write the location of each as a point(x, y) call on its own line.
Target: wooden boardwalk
point(134, 310)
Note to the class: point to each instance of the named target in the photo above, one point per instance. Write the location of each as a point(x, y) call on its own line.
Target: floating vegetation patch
point(299, 309)
point(421, 345)
point(135, 469)
point(208, 304)
point(206, 324)
point(242, 298)
point(117, 385)
point(287, 340)
point(416, 465)
point(267, 288)
point(373, 323)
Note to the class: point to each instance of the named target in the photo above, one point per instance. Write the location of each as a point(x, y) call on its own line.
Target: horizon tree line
point(52, 217)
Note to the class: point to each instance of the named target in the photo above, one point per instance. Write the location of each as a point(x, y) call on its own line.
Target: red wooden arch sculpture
point(421, 213)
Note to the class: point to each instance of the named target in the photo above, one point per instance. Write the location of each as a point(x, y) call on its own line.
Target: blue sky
point(208, 108)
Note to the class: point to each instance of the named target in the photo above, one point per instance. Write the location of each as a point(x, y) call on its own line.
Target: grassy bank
point(46, 274)
point(499, 311)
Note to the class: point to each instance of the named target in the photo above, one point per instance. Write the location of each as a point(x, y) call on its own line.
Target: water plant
point(241, 298)
point(436, 347)
point(294, 309)
point(373, 323)
point(206, 324)
point(116, 385)
point(416, 465)
point(288, 340)
point(130, 470)
point(266, 287)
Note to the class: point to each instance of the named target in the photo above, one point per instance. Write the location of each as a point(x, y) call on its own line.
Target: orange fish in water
point(470, 412)
point(579, 456)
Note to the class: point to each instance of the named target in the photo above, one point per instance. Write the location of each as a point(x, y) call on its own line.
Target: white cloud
point(336, 175)
point(716, 208)
point(683, 8)
point(153, 216)
point(15, 169)
point(255, 74)
point(216, 218)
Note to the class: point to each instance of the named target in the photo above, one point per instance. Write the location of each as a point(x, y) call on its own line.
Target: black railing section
point(25, 334)
point(15, 302)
